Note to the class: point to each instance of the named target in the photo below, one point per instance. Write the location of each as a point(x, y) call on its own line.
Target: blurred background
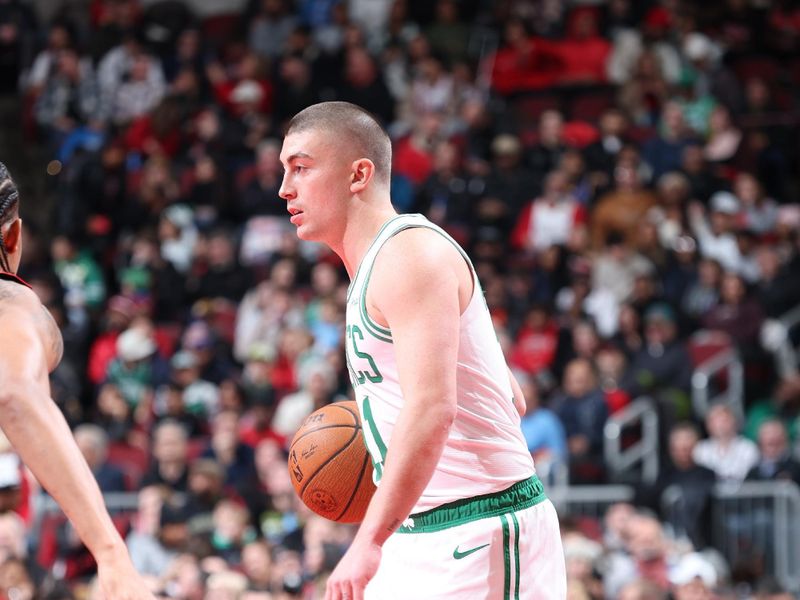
point(623, 173)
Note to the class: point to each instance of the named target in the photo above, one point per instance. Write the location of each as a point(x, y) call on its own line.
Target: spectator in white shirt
point(728, 454)
point(716, 235)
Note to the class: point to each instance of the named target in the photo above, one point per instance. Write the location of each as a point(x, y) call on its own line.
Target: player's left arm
point(416, 290)
point(415, 286)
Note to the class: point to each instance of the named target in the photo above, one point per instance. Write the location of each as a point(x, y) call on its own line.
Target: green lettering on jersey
point(373, 439)
point(374, 375)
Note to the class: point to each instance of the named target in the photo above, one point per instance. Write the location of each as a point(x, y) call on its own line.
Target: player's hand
point(354, 571)
point(118, 580)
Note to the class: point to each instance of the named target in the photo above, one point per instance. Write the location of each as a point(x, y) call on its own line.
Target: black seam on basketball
point(297, 439)
point(327, 462)
point(357, 487)
point(341, 405)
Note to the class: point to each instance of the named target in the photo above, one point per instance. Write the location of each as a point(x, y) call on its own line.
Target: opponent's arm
point(39, 433)
point(415, 287)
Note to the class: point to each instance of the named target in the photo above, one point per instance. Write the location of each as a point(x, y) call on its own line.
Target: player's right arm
point(37, 429)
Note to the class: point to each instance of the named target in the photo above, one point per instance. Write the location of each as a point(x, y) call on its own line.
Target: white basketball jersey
point(485, 451)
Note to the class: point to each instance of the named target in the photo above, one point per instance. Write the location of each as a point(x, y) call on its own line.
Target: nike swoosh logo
point(459, 555)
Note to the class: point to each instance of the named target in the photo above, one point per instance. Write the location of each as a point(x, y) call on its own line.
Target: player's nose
point(286, 191)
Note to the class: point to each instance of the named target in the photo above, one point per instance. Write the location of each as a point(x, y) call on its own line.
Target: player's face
point(316, 182)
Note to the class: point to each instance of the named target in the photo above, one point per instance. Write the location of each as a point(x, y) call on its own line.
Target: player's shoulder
point(16, 300)
point(419, 248)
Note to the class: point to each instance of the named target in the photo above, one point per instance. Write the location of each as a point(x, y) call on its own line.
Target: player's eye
point(299, 168)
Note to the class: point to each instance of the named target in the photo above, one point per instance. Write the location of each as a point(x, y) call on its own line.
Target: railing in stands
point(727, 362)
point(643, 453)
point(755, 522)
point(588, 500)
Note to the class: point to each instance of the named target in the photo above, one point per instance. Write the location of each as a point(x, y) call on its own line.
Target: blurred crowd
point(623, 174)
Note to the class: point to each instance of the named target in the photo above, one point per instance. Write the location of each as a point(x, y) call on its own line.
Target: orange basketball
point(329, 465)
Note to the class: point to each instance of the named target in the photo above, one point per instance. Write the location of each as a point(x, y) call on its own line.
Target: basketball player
point(459, 512)
point(31, 348)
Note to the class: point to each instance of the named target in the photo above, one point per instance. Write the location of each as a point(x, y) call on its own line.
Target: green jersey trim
point(377, 331)
point(519, 496)
point(372, 243)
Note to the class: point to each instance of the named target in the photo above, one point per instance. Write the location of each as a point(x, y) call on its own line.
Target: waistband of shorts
point(519, 496)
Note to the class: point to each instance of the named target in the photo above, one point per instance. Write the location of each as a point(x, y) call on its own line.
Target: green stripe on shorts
point(506, 559)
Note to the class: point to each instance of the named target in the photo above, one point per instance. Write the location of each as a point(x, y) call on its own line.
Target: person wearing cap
point(715, 234)
point(693, 578)
point(138, 368)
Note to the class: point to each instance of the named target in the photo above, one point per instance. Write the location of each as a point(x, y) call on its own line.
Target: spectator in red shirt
point(550, 219)
point(584, 53)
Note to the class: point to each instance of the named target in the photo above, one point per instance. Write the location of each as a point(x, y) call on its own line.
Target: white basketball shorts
point(502, 546)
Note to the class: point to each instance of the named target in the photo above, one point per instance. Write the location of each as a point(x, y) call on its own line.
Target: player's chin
point(306, 233)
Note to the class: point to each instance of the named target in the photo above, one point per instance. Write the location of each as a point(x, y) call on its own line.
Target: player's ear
point(12, 236)
point(362, 172)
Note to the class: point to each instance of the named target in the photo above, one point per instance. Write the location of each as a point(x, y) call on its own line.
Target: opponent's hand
point(118, 580)
point(354, 571)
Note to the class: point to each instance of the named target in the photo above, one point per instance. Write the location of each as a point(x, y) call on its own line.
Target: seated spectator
point(778, 286)
point(257, 566)
point(616, 267)
point(199, 397)
point(623, 208)
point(138, 93)
point(647, 555)
point(93, 444)
point(723, 139)
point(231, 531)
point(611, 367)
point(445, 197)
point(545, 154)
point(583, 52)
point(69, 100)
point(775, 460)
point(260, 194)
point(728, 454)
point(60, 37)
point(664, 152)
point(270, 28)
point(693, 577)
point(536, 343)
point(737, 314)
point(582, 410)
point(170, 457)
point(759, 212)
point(138, 368)
point(702, 294)
point(716, 235)
point(148, 555)
point(317, 388)
point(523, 63)
point(551, 219)
point(692, 516)
point(542, 428)
point(662, 367)
point(227, 449)
point(601, 156)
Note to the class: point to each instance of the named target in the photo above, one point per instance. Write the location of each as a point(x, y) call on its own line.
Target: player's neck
point(362, 227)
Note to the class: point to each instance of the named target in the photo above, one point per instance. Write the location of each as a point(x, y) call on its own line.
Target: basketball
point(329, 465)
